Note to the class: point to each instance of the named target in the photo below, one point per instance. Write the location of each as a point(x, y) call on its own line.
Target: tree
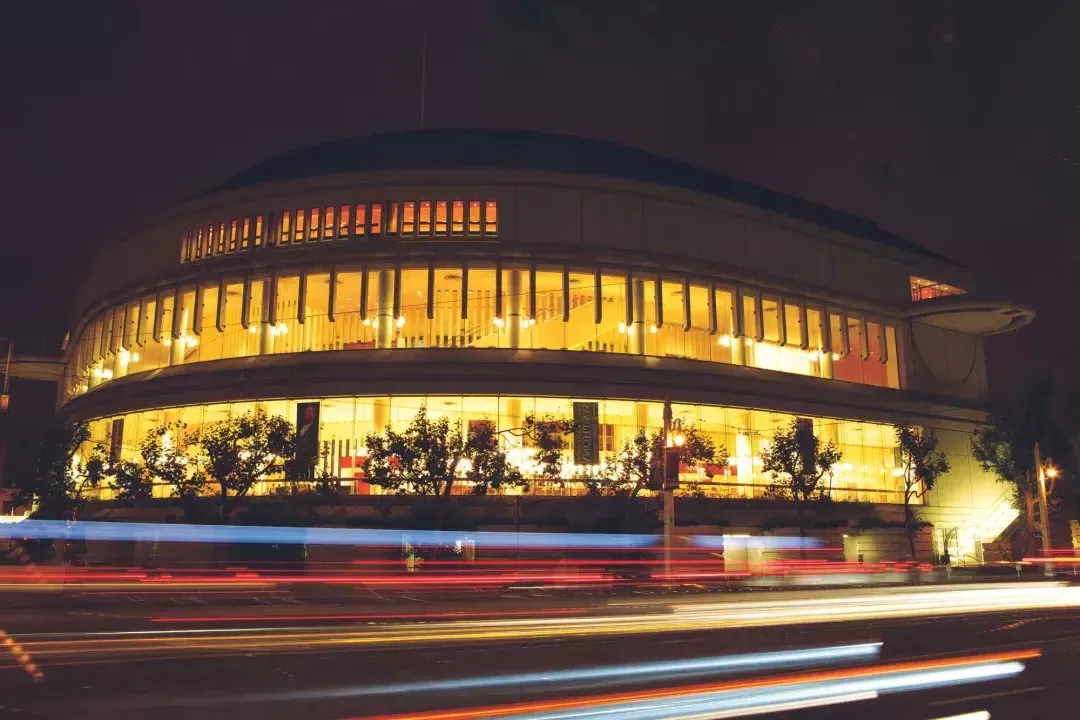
point(922, 464)
point(798, 463)
point(1004, 444)
point(169, 458)
point(56, 484)
point(641, 457)
point(430, 455)
point(239, 452)
point(547, 434)
point(130, 479)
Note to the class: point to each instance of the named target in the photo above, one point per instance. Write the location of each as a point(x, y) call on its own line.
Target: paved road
point(174, 676)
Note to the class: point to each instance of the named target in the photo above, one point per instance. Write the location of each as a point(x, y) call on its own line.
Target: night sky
point(954, 124)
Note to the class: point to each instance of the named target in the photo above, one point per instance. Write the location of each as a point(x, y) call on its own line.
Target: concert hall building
point(493, 274)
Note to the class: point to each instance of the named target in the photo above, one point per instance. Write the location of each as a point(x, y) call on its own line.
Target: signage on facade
point(307, 438)
point(586, 433)
point(116, 440)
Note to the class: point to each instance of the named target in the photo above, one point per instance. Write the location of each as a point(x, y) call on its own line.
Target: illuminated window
point(457, 226)
point(923, 289)
point(474, 217)
point(245, 234)
point(392, 223)
point(376, 218)
point(491, 218)
point(298, 231)
point(199, 244)
point(221, 239)
point(328, 223)
point(313, 225)
point(408, 218)
point(286, 228)
point(440, 217)
point(184, 244)
point(424, 227)
point(361, 220)
point(211, 242)
point(259, 231)
point(343, 221)
point(233, 229)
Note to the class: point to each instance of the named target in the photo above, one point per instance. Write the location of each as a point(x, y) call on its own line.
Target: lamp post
point(5, 402)
point(669, 477)
point(1044, 510)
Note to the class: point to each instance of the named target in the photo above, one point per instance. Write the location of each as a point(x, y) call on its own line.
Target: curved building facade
point(493, 274)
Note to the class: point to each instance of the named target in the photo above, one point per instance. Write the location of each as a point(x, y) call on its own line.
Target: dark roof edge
point(530, 150)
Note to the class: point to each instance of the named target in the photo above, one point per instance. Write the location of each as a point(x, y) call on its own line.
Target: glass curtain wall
point(867, 472)
point(513, 306)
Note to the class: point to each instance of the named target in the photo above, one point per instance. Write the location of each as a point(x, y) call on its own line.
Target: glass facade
point(867, 473)
point(480, 306)
point(327, 224)
point(923, 289)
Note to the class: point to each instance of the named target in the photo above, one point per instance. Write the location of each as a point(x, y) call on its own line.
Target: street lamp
point(1044, 470)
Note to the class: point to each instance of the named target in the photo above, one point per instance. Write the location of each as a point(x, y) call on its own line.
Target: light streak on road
point(871, 604)
point(786, 609)
point(755, 696)
point(632, 672)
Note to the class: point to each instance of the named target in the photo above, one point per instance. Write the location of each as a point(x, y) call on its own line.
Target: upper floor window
point(923, 289)
point(334, 222)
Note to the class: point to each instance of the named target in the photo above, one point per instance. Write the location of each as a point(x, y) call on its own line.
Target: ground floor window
point(866, 473)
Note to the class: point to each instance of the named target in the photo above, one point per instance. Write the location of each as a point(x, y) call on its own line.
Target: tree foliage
point(640, 459)
point(429, 456)
point(128, 478)
point(547, 434)
point(1004, 443)
point(57, 482)
point(238, 452)
point(799, 464)
point(170, 458)
point(922, 464)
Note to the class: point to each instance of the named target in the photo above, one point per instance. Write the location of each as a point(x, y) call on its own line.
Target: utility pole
point(5, 402)
point(1044, 514)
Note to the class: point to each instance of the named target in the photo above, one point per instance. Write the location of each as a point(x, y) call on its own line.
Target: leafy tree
point(798, 463)
point(1004, 444)
point(56, 484)
point(547, 434)
point(431, 455)
point(641, 457)
point(239, 452)
point(922, 464)
point(130, 479)
point(169, 458)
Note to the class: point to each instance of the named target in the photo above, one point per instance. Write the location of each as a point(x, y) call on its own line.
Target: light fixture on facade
point(401, 321)
point(724, 340)
point(252, 329)
point(498, 322)
point(622, 328)
point(652, 329)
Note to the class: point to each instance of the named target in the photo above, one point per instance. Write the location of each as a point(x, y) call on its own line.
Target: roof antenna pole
point(423, 75)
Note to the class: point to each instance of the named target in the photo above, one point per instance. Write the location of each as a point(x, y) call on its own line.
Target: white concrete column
point(638, 331)
point(513, 308)
point(384, 314)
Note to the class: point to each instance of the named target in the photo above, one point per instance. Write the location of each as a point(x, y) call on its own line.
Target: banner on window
point(586, 433)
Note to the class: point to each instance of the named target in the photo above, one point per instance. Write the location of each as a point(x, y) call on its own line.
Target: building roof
point(528, 150)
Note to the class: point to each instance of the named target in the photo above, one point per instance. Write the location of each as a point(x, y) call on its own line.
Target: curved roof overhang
point(971, 314)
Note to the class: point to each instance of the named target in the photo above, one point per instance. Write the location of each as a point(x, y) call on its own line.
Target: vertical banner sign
point(307, 438)
point(116, 441)
point(586, 433)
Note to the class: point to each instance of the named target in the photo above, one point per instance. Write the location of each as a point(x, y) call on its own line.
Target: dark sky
point(954, 124)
